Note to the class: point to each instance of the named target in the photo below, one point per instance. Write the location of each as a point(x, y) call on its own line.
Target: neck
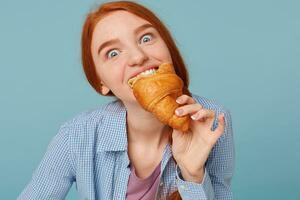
point(143, 128)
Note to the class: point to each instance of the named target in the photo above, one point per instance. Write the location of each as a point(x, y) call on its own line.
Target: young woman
point(121, 151)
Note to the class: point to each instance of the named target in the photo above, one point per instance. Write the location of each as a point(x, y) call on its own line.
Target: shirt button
point(182, 187)
point(161, 183)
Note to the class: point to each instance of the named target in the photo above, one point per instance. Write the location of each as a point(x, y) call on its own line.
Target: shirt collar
point(112, 130)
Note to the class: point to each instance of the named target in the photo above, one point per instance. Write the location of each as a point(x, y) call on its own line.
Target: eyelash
point(150, 34)
point(107, 52)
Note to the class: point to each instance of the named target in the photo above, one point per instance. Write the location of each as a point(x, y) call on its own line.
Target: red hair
point(87, 61)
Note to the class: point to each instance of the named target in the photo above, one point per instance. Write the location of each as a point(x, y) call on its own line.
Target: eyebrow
point(113, 41)
point(107, 43)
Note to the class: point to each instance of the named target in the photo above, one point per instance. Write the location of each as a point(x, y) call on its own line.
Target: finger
point(185, 99)
point(188, 109)
point(221, 126)
point(203, 113)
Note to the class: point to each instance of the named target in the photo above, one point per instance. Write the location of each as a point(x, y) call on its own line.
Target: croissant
point(157, 94)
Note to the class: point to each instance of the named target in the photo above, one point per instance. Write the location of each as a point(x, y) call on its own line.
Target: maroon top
point(143, 189)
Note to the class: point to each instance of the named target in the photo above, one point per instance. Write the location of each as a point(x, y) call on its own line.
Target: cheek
point(160, 52)
point(112, 72)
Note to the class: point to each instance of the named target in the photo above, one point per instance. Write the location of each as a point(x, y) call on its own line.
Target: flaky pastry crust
point(157, 94)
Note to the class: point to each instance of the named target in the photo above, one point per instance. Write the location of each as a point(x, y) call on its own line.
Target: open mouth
point(146, 73)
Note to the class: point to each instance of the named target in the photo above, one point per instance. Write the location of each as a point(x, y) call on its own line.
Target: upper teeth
point(147, 72)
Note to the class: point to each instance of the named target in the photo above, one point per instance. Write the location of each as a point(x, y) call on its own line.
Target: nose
point(137, 57)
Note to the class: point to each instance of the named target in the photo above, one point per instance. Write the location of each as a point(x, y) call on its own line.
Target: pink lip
point(142, 69)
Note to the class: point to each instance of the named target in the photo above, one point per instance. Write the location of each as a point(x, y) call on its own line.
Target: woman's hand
point(192, 149)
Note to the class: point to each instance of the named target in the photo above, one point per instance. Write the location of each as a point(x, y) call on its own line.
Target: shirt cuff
point(190, 190)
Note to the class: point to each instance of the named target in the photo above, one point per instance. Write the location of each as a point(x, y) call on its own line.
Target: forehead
point(115, 24)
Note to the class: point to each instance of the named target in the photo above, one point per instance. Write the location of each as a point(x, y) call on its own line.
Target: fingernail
point(178, 100)
point(194, 117)
point(178, 111)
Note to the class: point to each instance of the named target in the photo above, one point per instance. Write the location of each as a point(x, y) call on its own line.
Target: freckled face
point(122, 43)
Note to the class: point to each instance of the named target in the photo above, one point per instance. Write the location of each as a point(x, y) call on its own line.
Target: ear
point(104, 90)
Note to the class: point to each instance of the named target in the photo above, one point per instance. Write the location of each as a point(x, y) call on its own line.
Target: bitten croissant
point(157, 94)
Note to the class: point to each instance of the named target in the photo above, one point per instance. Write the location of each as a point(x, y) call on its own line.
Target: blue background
point(243, 54)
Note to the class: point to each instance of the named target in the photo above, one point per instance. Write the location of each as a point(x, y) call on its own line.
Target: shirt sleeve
point(54, 175)
point(219, 167)
point(190, 190)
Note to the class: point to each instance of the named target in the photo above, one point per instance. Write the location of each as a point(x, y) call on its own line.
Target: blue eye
point(146, 38)
point(112, 53)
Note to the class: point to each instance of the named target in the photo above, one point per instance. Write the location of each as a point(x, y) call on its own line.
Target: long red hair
point(87, 61)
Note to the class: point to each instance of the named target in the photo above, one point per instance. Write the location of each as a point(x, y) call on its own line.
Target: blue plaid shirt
point(91, 150)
